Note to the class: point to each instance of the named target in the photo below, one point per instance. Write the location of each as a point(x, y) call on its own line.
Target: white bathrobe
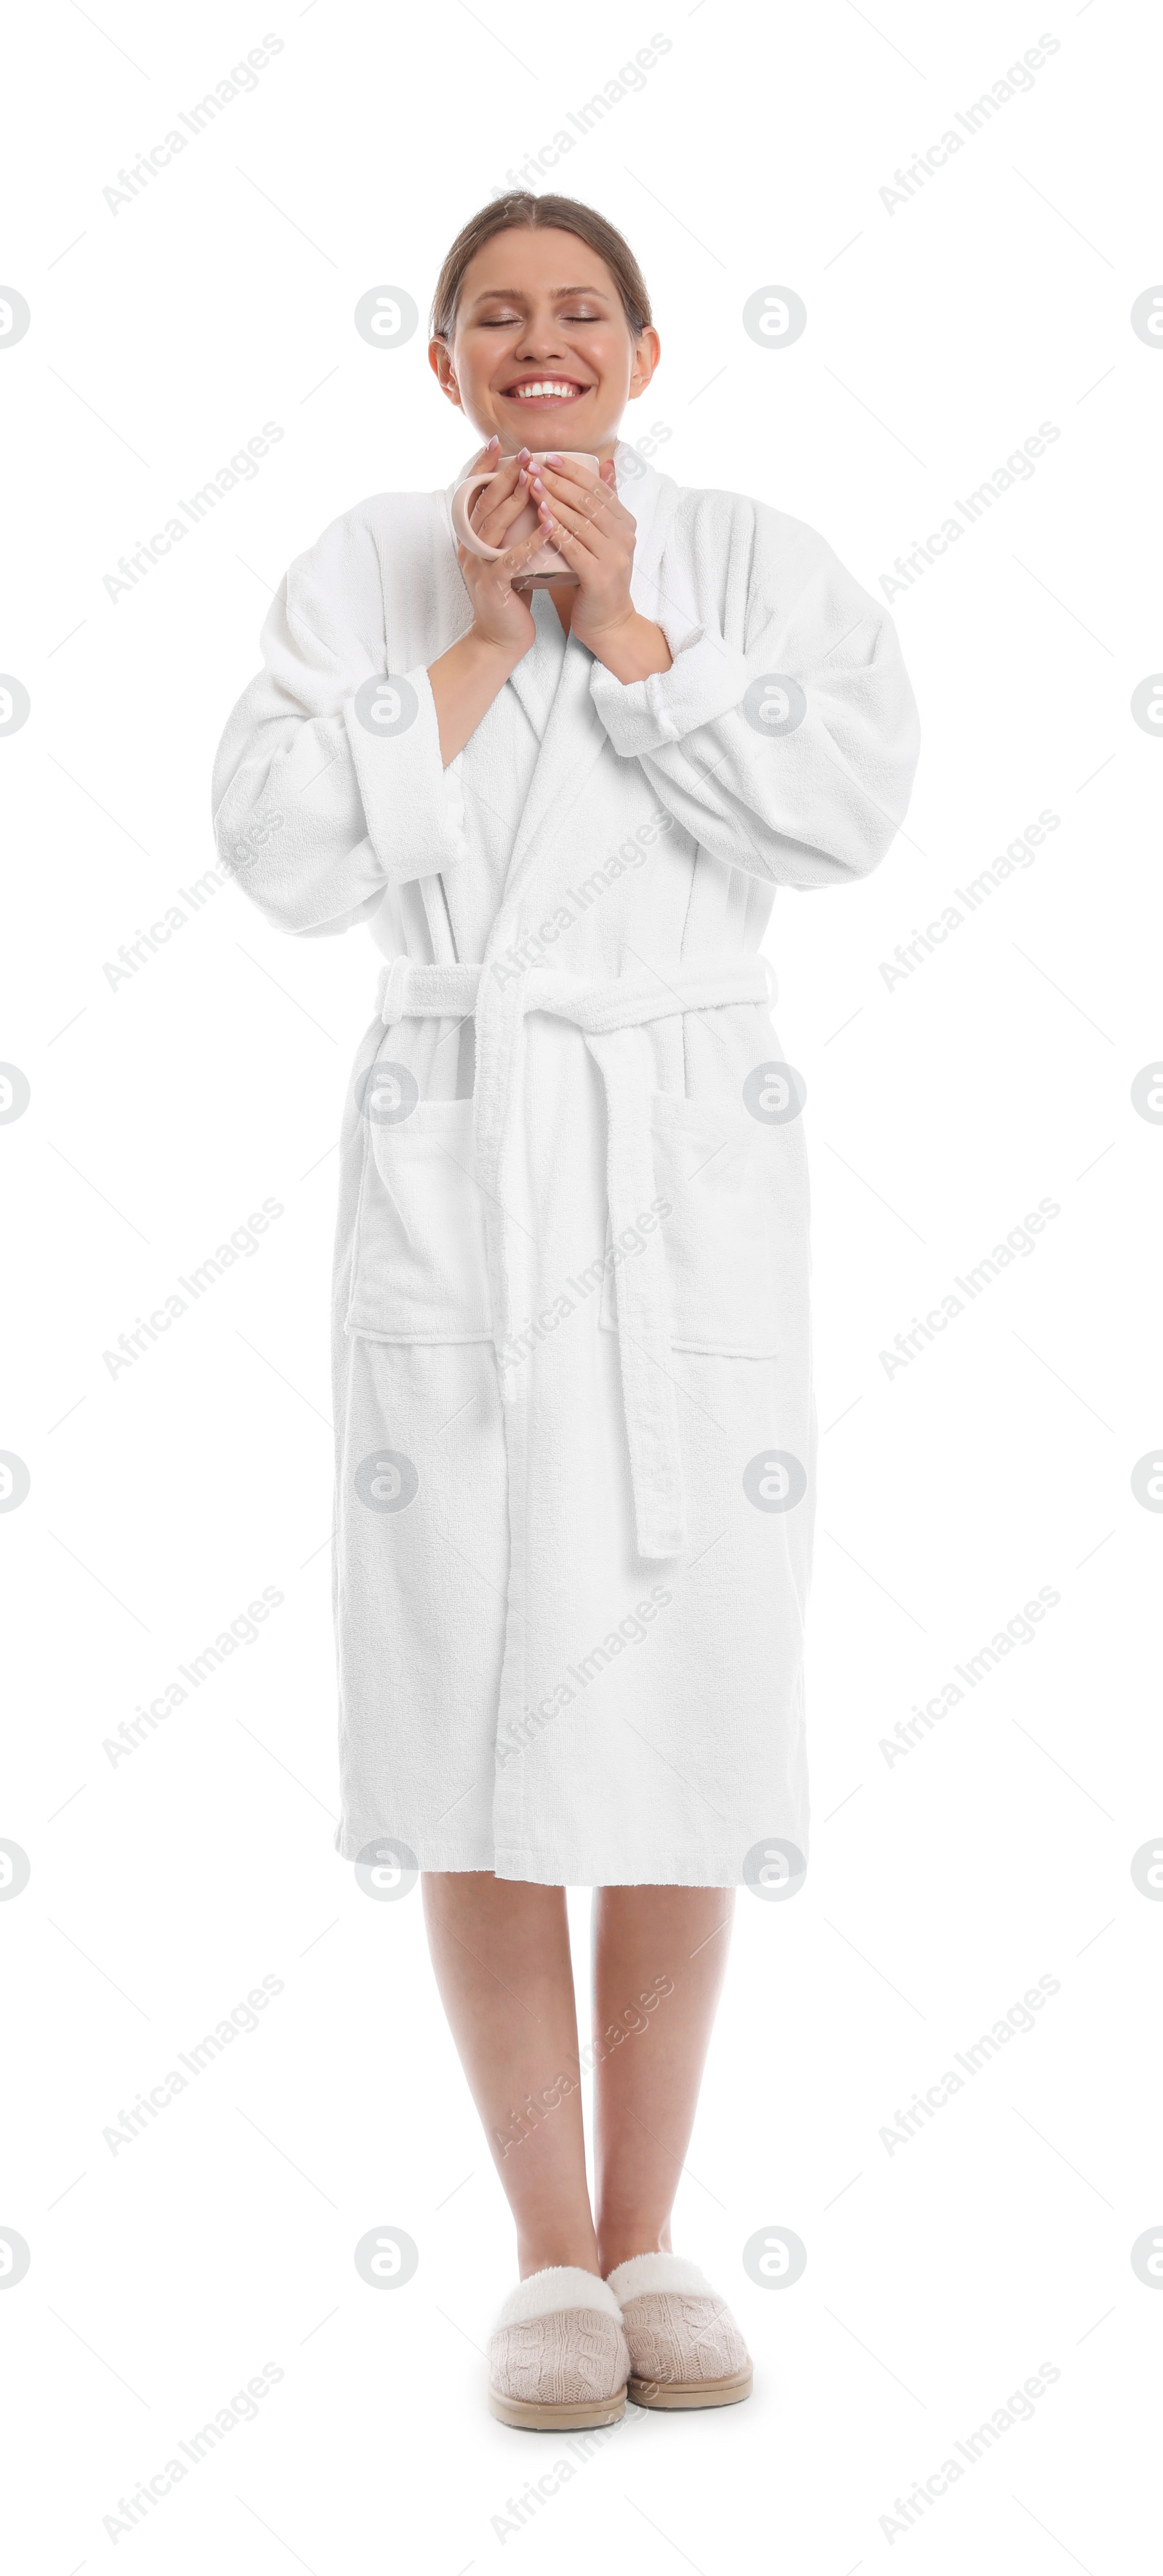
point(575, 1435)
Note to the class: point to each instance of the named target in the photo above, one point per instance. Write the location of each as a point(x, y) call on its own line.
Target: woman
point(576, 1440)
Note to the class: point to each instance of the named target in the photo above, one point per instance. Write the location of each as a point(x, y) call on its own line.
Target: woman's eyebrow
point(514, 295)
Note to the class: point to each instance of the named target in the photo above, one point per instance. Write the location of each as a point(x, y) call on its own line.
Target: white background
point(940, 1110)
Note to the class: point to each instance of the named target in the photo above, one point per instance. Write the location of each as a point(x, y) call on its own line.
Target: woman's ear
point(647, 352)
point(441, 365)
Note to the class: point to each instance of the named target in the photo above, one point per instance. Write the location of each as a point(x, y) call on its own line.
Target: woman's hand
point(466, 679)
point(594, 533)
point(501, 616)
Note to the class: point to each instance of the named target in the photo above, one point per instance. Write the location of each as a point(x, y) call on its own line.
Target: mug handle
point(460, 518)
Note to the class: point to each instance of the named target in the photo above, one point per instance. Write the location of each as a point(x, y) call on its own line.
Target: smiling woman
point(575, 1429)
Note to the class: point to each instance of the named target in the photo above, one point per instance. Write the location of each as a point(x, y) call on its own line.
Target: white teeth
point(528, 393)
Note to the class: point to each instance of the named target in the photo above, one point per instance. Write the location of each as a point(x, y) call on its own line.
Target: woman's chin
point(554, 422)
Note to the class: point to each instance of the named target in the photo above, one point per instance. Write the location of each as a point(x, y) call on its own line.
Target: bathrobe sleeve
point(744, 602)
point(317, 806)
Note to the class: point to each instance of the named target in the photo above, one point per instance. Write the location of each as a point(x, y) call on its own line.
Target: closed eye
point(505, 321)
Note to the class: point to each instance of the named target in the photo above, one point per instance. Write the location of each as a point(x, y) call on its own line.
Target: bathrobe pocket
point(420, 1270)
point(714, 1200)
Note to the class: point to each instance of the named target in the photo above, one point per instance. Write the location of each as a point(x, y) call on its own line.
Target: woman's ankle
point(546, 2253)
point(619, 2244)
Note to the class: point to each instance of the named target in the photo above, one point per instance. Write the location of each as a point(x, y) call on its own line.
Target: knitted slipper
point(685, 2347)
point(558, 2361)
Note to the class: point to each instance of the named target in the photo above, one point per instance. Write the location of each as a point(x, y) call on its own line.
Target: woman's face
point(540, 311)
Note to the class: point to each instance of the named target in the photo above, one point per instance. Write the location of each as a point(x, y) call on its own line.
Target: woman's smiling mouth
point(544, 389)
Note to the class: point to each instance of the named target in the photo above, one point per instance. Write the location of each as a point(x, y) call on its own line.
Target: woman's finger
point(577, 510)
point(593, 497)
point(500, 503)
point(503, 469)
point(502, 483)
point(570, 473)
point(494, 521)
point(519, 554)
point(564, 521)
point(572, 550)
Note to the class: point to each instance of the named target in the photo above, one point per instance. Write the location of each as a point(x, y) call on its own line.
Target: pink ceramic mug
point(546, 565)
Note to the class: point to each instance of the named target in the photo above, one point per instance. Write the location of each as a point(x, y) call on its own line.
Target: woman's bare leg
point(500, 1950)
point(670, 1943)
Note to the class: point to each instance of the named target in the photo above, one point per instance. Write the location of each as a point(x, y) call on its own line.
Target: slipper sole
point(534, 2415)
point(692, 2392)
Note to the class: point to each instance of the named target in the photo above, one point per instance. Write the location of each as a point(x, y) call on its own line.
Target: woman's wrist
point(491, 652)
point(631, 648)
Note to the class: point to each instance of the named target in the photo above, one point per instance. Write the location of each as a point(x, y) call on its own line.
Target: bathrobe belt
point(606, 1010)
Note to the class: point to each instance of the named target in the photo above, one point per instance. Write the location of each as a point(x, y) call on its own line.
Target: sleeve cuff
point(705, 680)
point(413, 806)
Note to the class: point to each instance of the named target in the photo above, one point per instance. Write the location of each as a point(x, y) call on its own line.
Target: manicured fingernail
point(554, 460)
point(538, 485)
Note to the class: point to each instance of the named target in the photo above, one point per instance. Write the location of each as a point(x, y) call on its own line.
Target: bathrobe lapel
point(534, 680)
point(572, 736)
